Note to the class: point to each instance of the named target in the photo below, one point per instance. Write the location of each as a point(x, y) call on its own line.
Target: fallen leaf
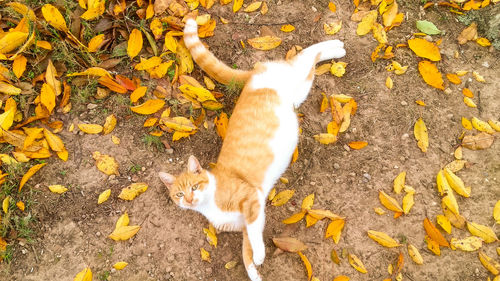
point(389, 202)
point(421, 135)
point(148, 107)
point(211, 235)
point(289, 244)
point(308, 202)
point(103, 197)
point(287, 28)
point(135, 189)
point(388, 82)
point(456, 183)
point(444, 222)
point(468, 244)
point(112, 85)
point(230, 264)
point(453, 78)
point(496, 212)
point(456, 165)
point(325, 138)
point(495, 125)
point(490, 264)
point(365, 26)
point(95, 43)
point(431, 74)
point(333, 27)
point(434, 233)
point(334, 230)
point(321, 214)
point(282, 197)
point(477, 142)
point(106, 163)
point(90, 128)
point(84, 275)
point(57, 188)
point(338, 68)
point(399, 182)
point(179, 123)
point(482, 231)
point(19, 65)
point(123, 233)
point(469, 33)
point(48, 97)
point(264, 43)
point(427, 27)
point(29, 174)
point(433, 246)
point(120, 265)
point(355, 262)
point(469, 102)
point(134, 45)
point(466, 123)
point(478, 77)
point(52, 15)
point(415, 254)
point(307, 264)
point(383, 239)
point(5, 204)
point(252, 7)
point(482, 126)
point(20, 206)
point(408, 202)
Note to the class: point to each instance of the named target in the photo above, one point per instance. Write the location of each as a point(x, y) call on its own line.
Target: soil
point(72, 229)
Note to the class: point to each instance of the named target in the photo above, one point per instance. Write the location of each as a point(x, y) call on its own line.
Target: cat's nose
point(188, 198)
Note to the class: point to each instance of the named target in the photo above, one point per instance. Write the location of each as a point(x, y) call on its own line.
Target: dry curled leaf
point(289, 244)
point(477, 142)
point(334, 230)
point(415, 254)
point(307, 264)
point(29, 174)
point(106, 163)
point(355, 262)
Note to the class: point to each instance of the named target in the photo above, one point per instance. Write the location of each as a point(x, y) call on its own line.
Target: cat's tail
point(207, 61)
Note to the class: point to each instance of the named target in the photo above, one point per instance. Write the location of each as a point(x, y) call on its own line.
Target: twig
point(34, 252)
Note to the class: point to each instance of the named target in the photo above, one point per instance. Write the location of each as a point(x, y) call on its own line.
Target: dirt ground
point(72, 229)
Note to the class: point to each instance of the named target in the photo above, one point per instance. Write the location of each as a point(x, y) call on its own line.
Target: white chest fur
point(227, 221)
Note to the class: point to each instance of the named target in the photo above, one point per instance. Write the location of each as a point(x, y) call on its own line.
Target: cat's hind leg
point(252, 272)
point(255, 219)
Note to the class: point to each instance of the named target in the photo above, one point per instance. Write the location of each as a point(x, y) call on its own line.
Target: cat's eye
point(195, 187)
point(179, 194)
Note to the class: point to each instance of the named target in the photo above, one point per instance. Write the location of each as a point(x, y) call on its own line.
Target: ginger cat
point(260, 139)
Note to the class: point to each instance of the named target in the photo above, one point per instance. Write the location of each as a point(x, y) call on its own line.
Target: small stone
point(314, 9)
point(336, 166)
point(312, 183)
point(448, 91)
point(24, 251)
point(97, 234)
point(346, 147)
point(169, 151)
point(402, 158)
point(405, 136)
point(449, 116)
point(91, 106)
point(367, 176)
point(485, 64)
point(404, 103)
point(113, 270)
point(112, 177)
point(143, 169)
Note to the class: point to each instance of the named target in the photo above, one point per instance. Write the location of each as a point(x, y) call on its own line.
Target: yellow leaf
point(94, 10)
point(237, 5)
point(90, 128)
point(179, 135)
point(50, 77)
point(482, 231)
point(332, 7)
point(453, 78)
point(325, 138)
point(7, 119)
point(198, 93)
point(482, 126)
point(120, 265)
point(252, 7)
point(207, 29)
point(148, 63)
point(338, 68)
point(221, 124)
point(287, 28)
point(466, 123)
point(294, 218)
point(134, 45)
point(307, 264)
point(496, 212)
point(478, 77)
point(421, 135)
point(322, 69)
point(54, 17)
point(44, 45)
point(23, 10)
point(367, 22)
point(456, 165)
point(483, 42)
point(205, 256)
point(282, 197)
point(468, 244)
point(123, 220)
point(5, 204)
point(178, 123)
point(431, 74)
point(321, 214)
point(456, 183)
point(424, 49)
point(490, 264)
point(29, 174)
point(379, 211)
point(444, 222)
point(92, 71)
point(379, 33)
point(209, 83)
point(434, 233)
point(54, 141)
point(383, 239)
point(324, 103)
point(308, 202)
point(57, 188)
point(156, 27)
point(149, 107)
point(264, 9)
point(103, 197)
point(272, 194)
point(138, 93)
point(19, 66)
point(264, 43)
point(389, 202)
point(334, 230)
point(389, 15)
point(106, 163)
point(399, 182)
point(495, 125)
point(133, 190)
point(469, 102)
point(355, 262)
point(341, 277)
point(84, 275)
point(211, 235)
point(333, 27)
point(109, 124)
point(9, 89)
point(115, 140)
point(170, 43)
point(415, 254)
point(124, 232)
point(388, 82)
point(48, 97)
point(11, 40)
point(20, 205)
point(95, 43)
point(408, 202)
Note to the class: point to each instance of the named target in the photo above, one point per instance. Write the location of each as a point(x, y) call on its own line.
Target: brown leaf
point(469, 33)
point(480, 141)
point(289, 244)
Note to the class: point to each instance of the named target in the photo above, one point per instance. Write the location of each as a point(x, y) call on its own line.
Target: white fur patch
point(253, 274)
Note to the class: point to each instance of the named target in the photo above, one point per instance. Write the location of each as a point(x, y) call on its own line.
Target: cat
point(260, 139)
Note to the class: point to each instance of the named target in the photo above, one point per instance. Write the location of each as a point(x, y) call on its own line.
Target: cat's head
point(187, 189)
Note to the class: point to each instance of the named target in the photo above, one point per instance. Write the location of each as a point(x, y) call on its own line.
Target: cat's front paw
point(259, 254)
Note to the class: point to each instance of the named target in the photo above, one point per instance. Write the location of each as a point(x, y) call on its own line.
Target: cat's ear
point(167, 179)
point(193, 165)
